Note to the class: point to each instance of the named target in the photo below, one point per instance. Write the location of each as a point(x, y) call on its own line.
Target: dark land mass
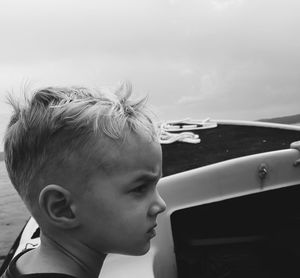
point(292, 119)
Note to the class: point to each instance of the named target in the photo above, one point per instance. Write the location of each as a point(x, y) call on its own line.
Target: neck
point(70, 256)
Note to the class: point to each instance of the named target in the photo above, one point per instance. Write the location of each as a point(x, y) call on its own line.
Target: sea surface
point(13, 213)
point(4, 118)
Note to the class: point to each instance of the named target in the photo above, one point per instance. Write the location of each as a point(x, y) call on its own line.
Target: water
point(4, 118)
point(13, 213)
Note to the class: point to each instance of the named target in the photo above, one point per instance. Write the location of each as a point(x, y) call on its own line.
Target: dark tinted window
point(251, 236)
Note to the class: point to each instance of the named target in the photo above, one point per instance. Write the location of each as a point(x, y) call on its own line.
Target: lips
point(151, 231)
point(152, 228)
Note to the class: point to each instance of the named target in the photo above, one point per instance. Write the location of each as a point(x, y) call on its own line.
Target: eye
point(141, 189)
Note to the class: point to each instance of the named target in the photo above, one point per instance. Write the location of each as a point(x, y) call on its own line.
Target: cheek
point(91, 209)
point(125, 215)
point(130, 221)
point(116, 226)
point(106, 208)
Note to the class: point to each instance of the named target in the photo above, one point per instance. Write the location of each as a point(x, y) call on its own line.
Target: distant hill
point(292, 119)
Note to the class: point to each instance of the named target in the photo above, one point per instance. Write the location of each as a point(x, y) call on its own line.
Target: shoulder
point(13, 272)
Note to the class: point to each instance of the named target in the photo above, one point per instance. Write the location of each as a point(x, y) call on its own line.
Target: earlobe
point(57, 205)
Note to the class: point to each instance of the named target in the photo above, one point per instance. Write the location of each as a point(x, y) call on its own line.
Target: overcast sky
point(231, 59)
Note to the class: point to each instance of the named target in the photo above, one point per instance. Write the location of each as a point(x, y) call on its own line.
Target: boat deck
point(222, 143)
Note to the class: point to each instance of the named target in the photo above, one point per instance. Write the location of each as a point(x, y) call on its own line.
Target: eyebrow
point(147, 177)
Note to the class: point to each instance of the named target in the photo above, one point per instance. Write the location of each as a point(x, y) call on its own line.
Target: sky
point(222, 59)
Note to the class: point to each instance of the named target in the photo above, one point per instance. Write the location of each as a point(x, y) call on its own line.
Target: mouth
point(151, 232)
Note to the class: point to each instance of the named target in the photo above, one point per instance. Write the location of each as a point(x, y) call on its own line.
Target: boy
point(86, 164)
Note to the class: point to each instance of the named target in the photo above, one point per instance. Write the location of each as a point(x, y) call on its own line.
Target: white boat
point(233, 206)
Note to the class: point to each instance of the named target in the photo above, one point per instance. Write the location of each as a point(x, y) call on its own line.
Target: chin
point(138, 251)
point(143, 252)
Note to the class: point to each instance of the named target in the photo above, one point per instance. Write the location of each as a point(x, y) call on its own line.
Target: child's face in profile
point(119, 209)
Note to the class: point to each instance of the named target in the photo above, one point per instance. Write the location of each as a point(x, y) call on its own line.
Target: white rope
point(166, 129)
point(187, 137)
point(188, 124)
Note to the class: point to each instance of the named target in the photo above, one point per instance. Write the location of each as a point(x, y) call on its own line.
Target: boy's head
point(87, 161)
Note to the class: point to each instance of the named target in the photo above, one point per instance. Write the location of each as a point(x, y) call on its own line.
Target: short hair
point(56, 122)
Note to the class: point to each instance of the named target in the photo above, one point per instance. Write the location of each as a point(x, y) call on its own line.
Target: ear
point(57, 205)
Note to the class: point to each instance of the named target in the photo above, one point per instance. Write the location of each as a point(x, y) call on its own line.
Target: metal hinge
point(262, 171)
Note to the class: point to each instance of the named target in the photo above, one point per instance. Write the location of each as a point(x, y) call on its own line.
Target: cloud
point(189, 99)
point(223, 4)
point(186, 71)
point(220, 54)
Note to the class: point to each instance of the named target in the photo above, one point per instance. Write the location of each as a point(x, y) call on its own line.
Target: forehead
point(136, 151)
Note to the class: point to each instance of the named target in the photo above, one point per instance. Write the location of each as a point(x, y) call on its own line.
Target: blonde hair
point(57, 122)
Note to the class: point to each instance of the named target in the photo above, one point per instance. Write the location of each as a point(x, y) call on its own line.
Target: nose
point(158, 206)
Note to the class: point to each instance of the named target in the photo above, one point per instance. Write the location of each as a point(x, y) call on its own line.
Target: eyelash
point(140, 189)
